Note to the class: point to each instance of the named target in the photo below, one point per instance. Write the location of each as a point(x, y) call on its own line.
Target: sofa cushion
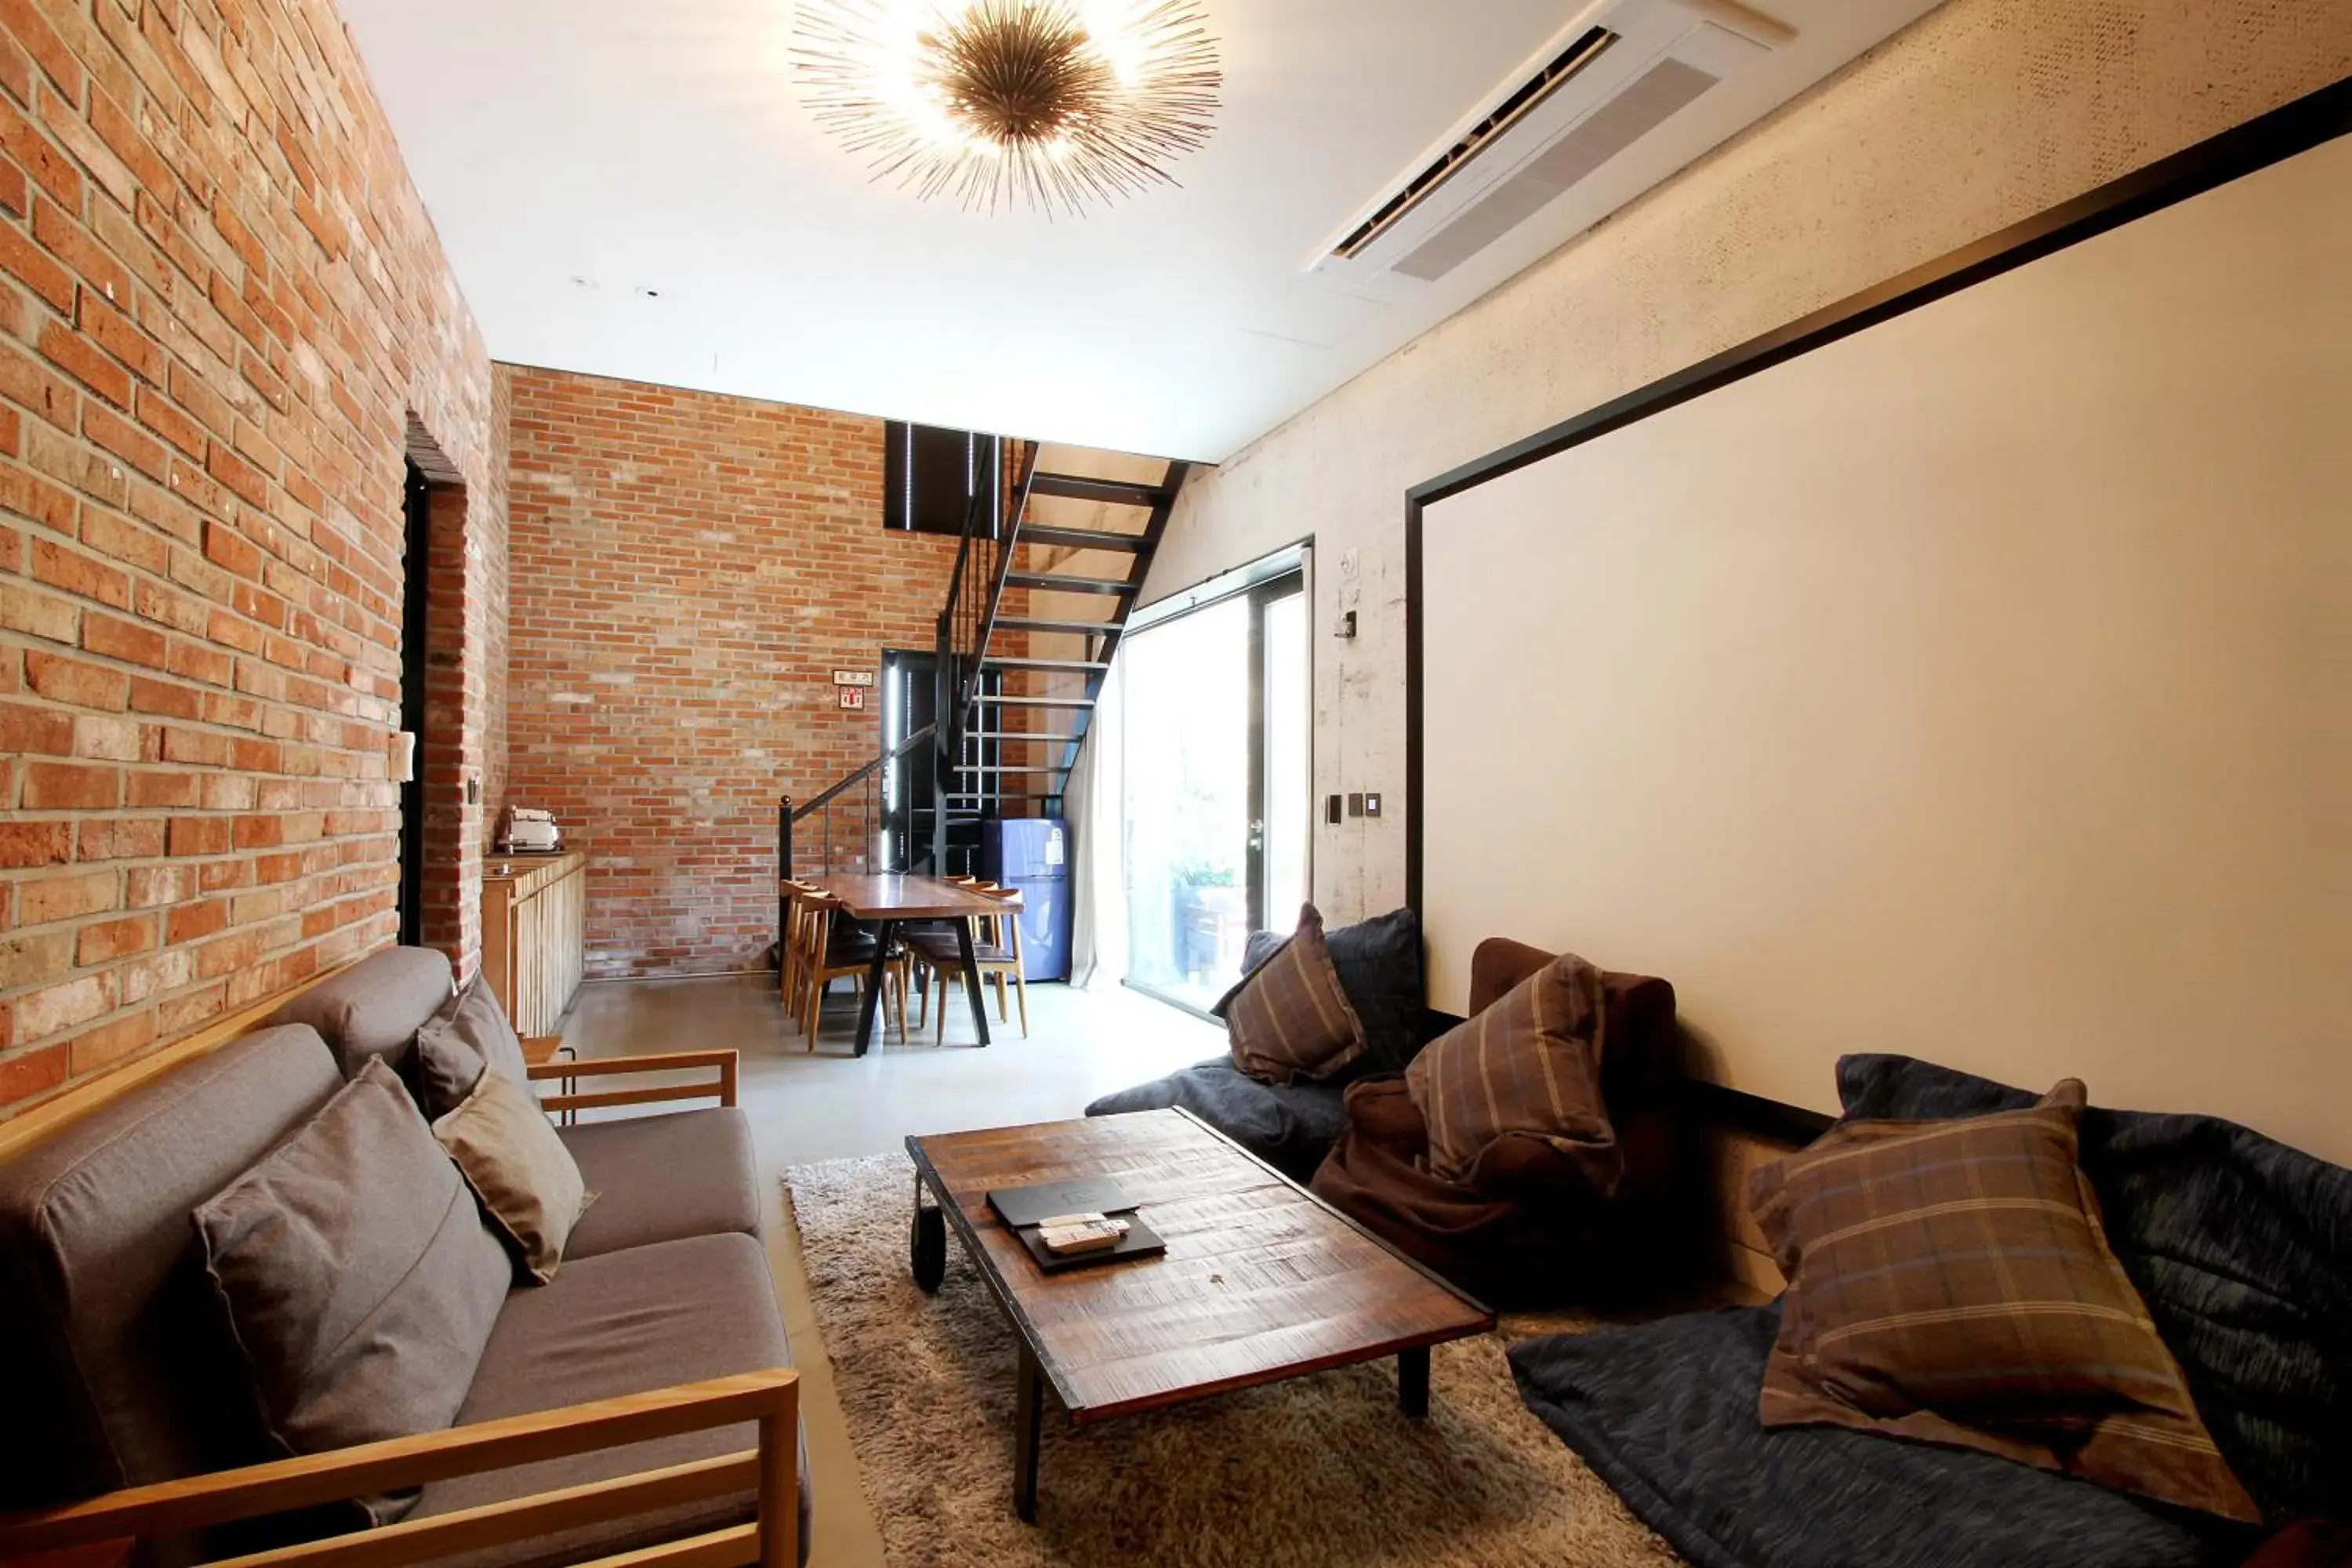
point(528, 1182)
point(119, 1362)
point(1950, 1283)
point(1379, 965)
point(453, 1046)
point(1290, 1018)
point(1523, 1078)
point(362, 1281)
point(678, 1311)
point(1291, 1127)
point(374, 1007)
point(2240, 1246)
point(664, 1178)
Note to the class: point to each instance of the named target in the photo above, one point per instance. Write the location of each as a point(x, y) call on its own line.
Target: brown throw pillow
point(1288, 1018)
point(527, 1180)
point(1949, 1281)
point(361, 1282)
point(1525, 1072)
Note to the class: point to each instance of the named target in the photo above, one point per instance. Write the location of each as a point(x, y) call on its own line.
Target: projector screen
point(1976, 685)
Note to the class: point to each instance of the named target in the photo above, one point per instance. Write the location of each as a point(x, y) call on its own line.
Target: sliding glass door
point(1217, 823)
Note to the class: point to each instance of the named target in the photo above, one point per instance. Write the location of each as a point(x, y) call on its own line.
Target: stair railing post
point(784, 871)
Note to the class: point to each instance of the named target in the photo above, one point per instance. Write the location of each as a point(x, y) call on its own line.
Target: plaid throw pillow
point(1289, 1019)
point(1525, 1070)
point(1950, 1282)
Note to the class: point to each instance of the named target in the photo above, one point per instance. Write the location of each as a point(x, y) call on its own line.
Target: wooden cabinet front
point(535, 936)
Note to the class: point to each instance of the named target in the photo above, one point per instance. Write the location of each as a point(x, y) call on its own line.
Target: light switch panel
point(1371, 805)
point(1355, 806)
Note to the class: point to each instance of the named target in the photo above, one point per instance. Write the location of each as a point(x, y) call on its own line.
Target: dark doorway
point(414, 602)
point(910, 701)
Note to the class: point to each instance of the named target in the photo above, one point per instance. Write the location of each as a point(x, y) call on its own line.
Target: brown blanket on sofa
point(1528, 1243)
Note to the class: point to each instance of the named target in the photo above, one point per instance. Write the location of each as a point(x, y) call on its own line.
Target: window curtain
point(1097, 808)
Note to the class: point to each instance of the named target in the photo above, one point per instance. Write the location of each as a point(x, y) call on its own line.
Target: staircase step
point(1043, 737)
point(1042, 701)
point(1005, 768)
point(1056, 583)
point(1079, 537)
point(1078, 487)
point(1082, 628)
point(1082, 665)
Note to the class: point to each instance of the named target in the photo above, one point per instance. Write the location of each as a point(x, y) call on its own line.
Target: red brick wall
point(220, 303)
point(688, 570)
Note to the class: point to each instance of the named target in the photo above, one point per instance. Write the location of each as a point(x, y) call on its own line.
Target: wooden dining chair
point(995, 943)
point(828, 954)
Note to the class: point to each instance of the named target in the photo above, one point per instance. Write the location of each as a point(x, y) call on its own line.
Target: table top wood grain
point(1262, 1279)
point(901, 897)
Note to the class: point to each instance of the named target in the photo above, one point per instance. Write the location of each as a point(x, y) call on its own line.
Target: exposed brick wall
point(220, 302)
point(688, 570)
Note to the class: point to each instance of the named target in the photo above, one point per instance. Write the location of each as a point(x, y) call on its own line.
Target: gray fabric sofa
point(124, 1371)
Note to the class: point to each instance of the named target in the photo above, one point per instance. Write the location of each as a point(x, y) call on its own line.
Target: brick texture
point(222, 309)
point(688, 570)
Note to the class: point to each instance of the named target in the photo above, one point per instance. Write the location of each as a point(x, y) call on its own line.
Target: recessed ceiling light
point(588, 283)
point(648, 293)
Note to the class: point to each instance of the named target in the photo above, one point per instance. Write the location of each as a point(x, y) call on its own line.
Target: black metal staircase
point(1016, 688)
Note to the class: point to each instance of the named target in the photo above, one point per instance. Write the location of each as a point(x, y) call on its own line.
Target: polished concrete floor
point(827, 1103)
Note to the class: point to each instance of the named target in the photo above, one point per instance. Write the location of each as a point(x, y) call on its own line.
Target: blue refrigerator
point(1033, 853)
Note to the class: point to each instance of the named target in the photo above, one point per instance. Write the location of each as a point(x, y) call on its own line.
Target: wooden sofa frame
point(769, 1398)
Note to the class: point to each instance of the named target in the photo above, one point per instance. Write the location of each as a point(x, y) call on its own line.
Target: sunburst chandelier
point(1054, 104)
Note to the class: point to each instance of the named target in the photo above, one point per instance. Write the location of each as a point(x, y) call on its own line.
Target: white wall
point(1985, 112)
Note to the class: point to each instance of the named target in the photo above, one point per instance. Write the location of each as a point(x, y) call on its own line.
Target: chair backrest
point(1003, 929)
point(117, 1356)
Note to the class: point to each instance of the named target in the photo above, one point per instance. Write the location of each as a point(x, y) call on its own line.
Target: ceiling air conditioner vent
point(1619, 72)
point(1601, 136)
point(1529, 97)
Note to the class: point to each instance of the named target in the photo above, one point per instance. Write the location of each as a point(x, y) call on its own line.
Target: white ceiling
point(662, 146)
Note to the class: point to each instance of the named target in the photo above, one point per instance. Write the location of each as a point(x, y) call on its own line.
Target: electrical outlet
point(1334, 810)
point(1355, 806)
point(1371, 805)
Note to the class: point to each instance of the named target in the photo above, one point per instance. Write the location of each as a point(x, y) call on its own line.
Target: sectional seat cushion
point(2239, 1247)
point(360, 1279)
point(1289, 1019)
point(1665, 1413)
point(374, 1007)
point(1290, 1127)
point(677, 1311)
point(118, 1362)
point(664, 1178)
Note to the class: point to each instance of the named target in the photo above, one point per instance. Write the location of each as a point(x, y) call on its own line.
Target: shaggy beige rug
point(1318, 1471)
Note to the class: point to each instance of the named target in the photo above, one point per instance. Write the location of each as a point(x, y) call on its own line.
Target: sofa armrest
point(723, 1065)
point(771, 1398)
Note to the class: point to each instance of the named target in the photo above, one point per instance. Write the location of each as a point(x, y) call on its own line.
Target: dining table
point(889, 900)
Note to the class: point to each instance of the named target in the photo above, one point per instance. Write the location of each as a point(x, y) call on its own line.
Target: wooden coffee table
point(1262, 1280)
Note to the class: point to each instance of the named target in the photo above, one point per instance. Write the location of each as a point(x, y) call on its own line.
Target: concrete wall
point(1984, 114)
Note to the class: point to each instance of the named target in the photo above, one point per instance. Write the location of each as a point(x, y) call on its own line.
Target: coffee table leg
point(1027, 1400)
point(1412, 1382)
point(926, 1243)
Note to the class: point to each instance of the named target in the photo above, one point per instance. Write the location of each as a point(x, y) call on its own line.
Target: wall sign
point(853, 677)
point(853, 698)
